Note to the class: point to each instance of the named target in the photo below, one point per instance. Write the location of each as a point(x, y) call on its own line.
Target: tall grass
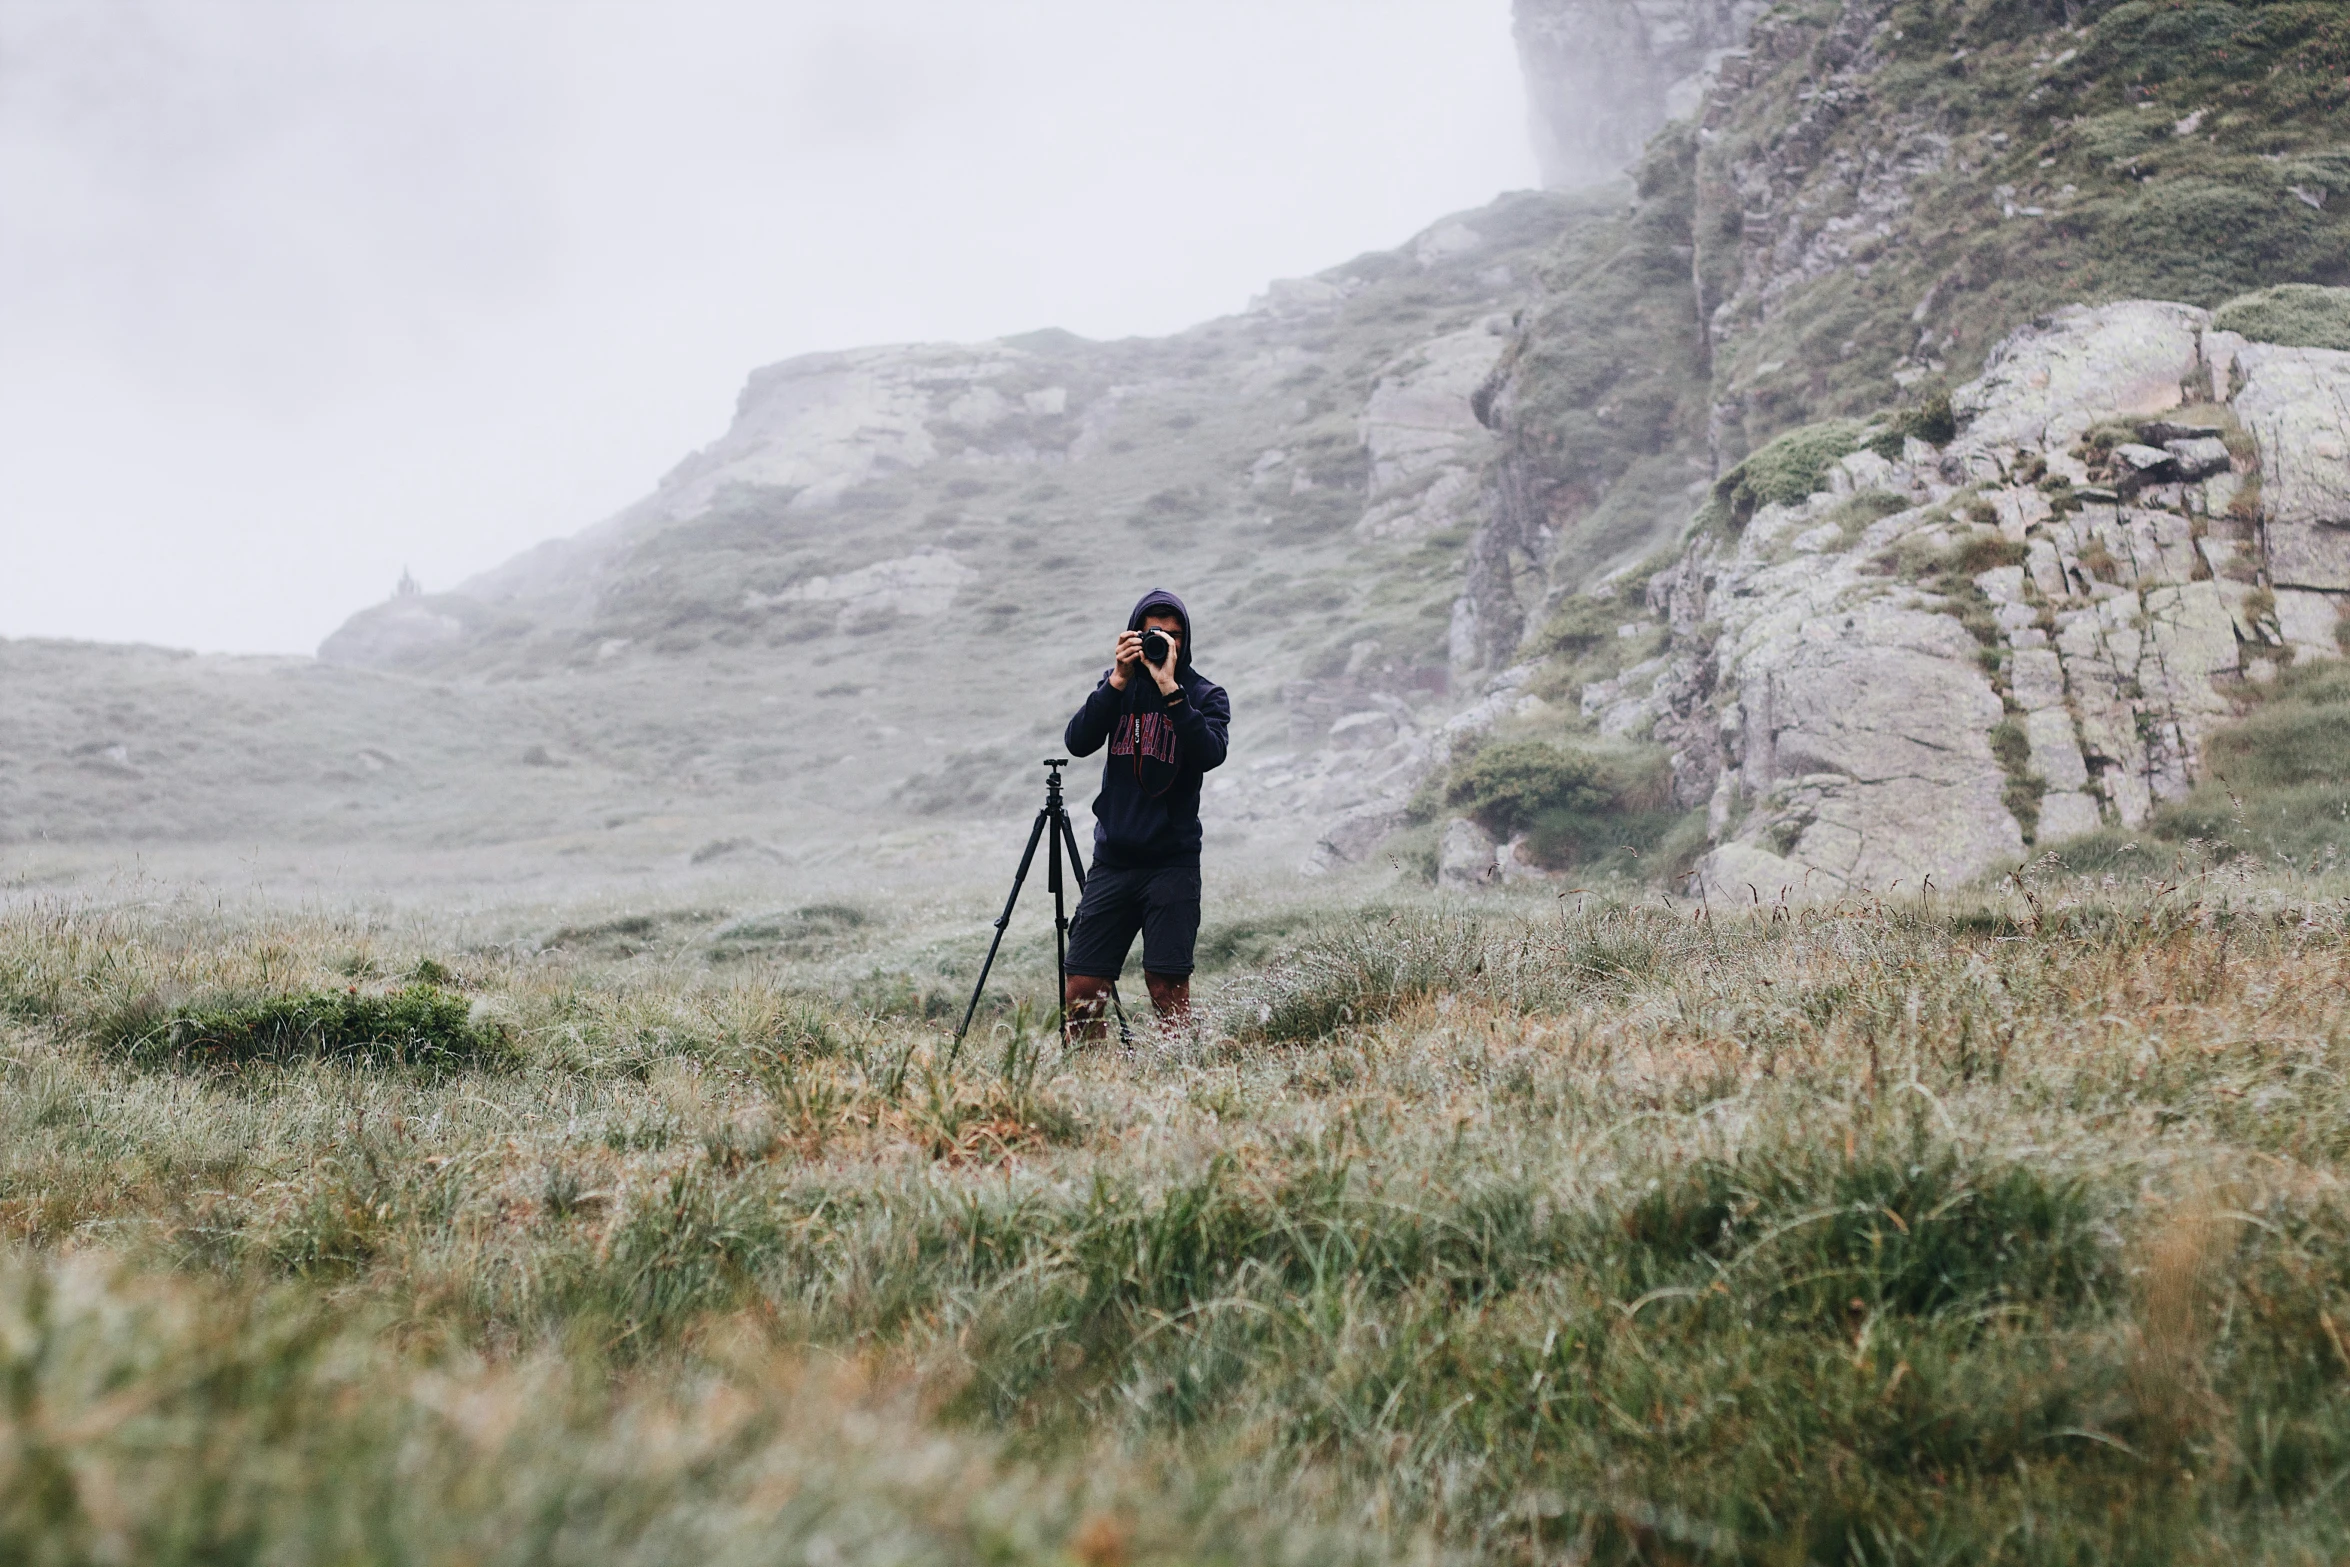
point(1964, 1231)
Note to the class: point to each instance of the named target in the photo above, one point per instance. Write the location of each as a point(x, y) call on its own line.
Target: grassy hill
point(871, 605)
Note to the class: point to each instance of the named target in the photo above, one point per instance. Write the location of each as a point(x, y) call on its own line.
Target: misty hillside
point(876, 597)
point(1430, 501)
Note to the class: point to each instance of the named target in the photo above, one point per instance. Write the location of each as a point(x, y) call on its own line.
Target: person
point(1167, 726)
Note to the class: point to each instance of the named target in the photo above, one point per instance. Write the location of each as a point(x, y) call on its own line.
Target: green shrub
point(419, 1026)
point(1575, 808)
point(1581, 625)
point(1931, 420)
point(1564, 838)
point(2297, 315)
point(1788, 469)
point(1505, 788)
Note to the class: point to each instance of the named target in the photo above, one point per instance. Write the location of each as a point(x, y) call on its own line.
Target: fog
point(293, 297)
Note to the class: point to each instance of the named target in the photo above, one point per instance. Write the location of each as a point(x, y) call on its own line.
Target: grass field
point(2007, 1229)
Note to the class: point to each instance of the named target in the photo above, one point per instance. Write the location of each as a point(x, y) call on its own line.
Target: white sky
point(294, 293)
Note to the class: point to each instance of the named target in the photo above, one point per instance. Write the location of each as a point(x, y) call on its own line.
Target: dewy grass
point(418, 1026)
point(1965, 1230)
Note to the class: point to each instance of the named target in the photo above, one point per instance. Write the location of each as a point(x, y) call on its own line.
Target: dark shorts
point(1161, 903)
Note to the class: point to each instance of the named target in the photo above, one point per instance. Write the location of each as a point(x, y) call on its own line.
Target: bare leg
point(1170, 995)
point(1086, 1000)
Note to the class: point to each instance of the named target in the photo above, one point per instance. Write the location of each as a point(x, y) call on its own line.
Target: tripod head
point(1052, 775)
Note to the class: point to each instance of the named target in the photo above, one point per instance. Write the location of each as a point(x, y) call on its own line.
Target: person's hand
point(1125, 659)
point(1164, 674)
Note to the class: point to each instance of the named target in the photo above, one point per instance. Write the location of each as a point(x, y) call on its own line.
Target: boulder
point(2193, 637)
point(2199, 456)
point(1745, 873)
point(2100, 646)
point(1422, 436)
point(2056, 752)
point(2143, 465)
point(2035, 679)
point(1512, 864)
point(2052, 380)
point(2310, 622)
point(1351, 838)
point(1866, 738)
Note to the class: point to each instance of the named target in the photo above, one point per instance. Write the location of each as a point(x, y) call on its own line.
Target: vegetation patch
point(1574, 807)
point(1355, 976)
point(2296, 315)
point(1787, 470)
point(1608, 378)
point(801, 932)
point(1608, 1205)
point(2276, 788)
point(1931, 419)
point(420, 1026)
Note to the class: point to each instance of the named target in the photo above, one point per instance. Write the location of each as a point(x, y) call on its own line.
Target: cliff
point(1869, 205)
point(1945, 656)
point(1603, 76)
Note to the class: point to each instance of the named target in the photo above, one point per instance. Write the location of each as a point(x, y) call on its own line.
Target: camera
point(1154, 646)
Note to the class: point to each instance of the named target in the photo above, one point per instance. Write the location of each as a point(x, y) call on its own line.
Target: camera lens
point(1154, 647)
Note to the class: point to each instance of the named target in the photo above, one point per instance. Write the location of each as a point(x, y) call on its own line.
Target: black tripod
point(1052, 826)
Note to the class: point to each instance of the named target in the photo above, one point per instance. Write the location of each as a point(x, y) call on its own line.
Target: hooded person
point(1166, 727)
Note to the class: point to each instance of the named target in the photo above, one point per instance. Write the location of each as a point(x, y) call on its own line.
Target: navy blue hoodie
point(1147, 815)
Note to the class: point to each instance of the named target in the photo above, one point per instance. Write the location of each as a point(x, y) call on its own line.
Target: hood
point(1158, 601)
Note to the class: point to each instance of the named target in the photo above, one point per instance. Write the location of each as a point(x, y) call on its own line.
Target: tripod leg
point(1043, 818)
point(1060, 926)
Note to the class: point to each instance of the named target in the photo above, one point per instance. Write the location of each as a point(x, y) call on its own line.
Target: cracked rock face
point(2046, 385)
point(1855, 711)
point(2296, 404)
point(1860, 737)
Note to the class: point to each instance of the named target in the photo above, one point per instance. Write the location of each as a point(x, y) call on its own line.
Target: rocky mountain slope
point(1604, 76)
point(2018, 637)
point(868, 606)
point(1868, 201)
point(1737, 508)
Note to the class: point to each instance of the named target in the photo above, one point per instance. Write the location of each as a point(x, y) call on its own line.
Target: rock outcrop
point(1428, 452)
point(1950, 653)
